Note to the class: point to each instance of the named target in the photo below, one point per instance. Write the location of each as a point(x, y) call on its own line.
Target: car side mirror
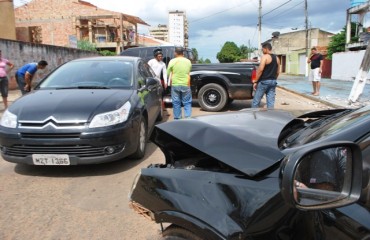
point(151, 81)
point(149, 84)
point(323, 176)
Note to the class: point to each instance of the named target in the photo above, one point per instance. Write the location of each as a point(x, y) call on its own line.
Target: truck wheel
point(212, 97)
point(178, 233)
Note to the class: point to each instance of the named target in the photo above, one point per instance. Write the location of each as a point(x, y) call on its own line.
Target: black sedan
point(90, 110)
point(259, 174)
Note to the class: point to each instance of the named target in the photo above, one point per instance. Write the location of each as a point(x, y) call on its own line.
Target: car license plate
point(50, 159)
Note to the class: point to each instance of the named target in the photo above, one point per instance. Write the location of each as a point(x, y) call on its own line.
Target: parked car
point(214, 85)
point(260, 174)
point(89, 110)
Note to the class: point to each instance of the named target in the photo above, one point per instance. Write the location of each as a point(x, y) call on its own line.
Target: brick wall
point(55, 17)
point(20, 53)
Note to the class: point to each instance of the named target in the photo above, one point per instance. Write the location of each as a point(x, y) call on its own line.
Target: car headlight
point(9, 120)
point(111, 118)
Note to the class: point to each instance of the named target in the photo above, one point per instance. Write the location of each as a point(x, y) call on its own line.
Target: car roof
point(163, 47)
point(108, 58)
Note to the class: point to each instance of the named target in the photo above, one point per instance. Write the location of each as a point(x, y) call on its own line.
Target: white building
point(159, 32)
point(178, 28)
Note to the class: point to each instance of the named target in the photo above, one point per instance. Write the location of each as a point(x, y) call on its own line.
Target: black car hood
point(68, 104)
point(246, 140)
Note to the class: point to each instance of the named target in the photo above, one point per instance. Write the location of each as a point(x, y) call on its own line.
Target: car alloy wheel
point(141, 144)
point(142, 136)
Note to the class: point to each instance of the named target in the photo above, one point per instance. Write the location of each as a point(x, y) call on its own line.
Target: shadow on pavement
point(84, 170)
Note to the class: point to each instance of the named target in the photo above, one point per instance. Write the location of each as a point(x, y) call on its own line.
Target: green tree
point(245, 50)
point(338, 41)
point(205, 61)
point(230, 52)
point(195, 53)
point(86, 45)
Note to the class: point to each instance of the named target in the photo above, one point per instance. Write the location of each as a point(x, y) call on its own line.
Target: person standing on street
point(159, 67)
point(267, 73)
point(316, 60)
point(180, 68)
point(4, 82)
point(25, 74)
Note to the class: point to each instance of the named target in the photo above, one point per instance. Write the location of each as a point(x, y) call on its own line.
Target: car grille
point(50, 135)
point(76, 150)
point(56, 125)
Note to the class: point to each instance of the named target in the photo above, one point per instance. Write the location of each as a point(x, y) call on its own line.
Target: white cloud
point(213, 22)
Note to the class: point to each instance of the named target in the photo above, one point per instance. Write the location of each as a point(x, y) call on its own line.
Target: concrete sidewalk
point(12, 96)
point(334, 92)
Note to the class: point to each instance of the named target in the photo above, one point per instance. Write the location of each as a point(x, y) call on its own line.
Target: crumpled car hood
point(245, 140)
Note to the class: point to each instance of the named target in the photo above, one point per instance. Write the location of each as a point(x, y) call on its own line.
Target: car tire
point(161, 112)
point(142, 139)
point(177, 233)
point(212, 97)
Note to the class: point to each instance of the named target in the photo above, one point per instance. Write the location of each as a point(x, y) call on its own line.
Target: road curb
point(312, 98)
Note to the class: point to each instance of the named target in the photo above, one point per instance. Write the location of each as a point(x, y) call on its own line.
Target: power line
point(277, 7)
point(226, 10)
point(284, 12)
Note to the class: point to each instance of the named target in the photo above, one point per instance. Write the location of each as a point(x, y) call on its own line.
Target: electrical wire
point(226, 10)
point(284, 12)
point(276, 8)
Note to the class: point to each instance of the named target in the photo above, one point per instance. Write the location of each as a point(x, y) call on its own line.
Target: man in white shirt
point(159, 67)
point(160, 70)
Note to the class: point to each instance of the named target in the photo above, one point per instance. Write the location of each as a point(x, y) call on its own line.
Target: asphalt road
point(90, 202)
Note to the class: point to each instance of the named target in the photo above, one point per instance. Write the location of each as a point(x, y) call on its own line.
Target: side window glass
point(365, 149)
point(166, 56)
point(140, 78)
point(145, 70)
point(191, 56)
point(149, 70)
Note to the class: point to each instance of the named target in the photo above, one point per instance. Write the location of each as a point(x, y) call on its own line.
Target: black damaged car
point(260, 174)
point(89, 110)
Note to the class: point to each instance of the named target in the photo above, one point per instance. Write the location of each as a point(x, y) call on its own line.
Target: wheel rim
point(142, 137)
point(212, 97)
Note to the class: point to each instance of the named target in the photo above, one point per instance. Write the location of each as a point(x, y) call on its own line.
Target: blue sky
point(213, 22)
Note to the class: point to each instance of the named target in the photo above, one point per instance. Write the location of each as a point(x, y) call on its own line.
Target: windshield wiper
point(84, 87)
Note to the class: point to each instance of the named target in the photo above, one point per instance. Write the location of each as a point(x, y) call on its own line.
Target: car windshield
point(94, 74)
point(310, 130)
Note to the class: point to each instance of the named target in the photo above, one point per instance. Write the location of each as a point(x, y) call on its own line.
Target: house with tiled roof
point(64, 22)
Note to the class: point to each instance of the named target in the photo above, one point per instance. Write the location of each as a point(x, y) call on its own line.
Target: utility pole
point(259, 25)
point(360, 81)
point(306, 27)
